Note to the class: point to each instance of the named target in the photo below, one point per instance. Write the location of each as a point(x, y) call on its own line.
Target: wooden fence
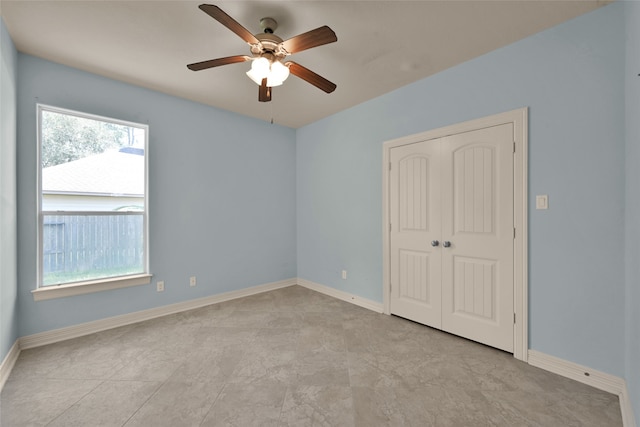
point(104, 242)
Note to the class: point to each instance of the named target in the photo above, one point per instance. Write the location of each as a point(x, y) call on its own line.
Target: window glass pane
point(87, 247)
point(91, 165)
point(92, 209)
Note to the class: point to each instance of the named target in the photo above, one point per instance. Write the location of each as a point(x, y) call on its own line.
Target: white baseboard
point(341, 295)
point(628, 417)
point(583, 374)
point(7, 364)
point(56, 335)
point(600, 380)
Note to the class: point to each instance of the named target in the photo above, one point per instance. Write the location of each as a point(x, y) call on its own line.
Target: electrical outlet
point(192, 281)
point(344, 274)
point(160, 286)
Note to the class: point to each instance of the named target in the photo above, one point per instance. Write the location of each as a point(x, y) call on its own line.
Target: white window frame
point(77, 288)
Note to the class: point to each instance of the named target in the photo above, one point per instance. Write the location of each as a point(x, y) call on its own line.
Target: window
point(92, 208)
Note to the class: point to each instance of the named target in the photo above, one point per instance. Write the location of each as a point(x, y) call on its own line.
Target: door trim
point(519, 119)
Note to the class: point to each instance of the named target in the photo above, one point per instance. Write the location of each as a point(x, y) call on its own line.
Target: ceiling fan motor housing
point(269, 43)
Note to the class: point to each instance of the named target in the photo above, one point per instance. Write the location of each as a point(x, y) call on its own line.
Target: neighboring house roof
point(110, 173)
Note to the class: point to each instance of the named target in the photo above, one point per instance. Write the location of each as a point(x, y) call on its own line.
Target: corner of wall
point(632, 204)
point(8, 193)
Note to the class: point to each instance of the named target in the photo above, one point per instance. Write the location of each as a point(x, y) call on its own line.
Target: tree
point(66, 138)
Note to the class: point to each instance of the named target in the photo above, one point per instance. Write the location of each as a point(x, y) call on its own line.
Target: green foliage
point(66, 138)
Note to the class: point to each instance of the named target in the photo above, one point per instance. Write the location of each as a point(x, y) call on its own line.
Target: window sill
point(61, 291)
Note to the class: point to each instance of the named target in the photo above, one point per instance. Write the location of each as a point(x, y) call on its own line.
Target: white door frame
point(519, 119)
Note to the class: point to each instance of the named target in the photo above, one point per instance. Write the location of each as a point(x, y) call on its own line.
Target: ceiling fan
point(268, 52)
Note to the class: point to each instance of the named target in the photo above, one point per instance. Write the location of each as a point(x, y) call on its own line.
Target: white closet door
point(415, 223)
point(477, 220)
point(451, 239)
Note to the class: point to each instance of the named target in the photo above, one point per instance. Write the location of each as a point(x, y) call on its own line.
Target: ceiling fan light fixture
point(261, 66)
point(279, 71)
point(274, 71)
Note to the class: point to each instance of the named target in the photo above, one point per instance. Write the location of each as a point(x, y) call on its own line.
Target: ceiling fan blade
point(318, 37)
point(311, 77)
point(219, 15)
point(264, 94)
point(218, 62)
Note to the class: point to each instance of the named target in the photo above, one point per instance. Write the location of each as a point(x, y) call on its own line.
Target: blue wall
point(228, 194)
point(632, 125)
point(8, 216)
point(221, 195)
point(571, 77)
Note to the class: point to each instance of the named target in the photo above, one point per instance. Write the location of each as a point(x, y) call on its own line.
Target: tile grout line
point(77, 401)
point(143, 403)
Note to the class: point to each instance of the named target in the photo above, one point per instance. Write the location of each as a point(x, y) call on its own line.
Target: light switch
point(542, 201)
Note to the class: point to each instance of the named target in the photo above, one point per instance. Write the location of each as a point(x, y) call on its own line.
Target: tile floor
point(289, 357)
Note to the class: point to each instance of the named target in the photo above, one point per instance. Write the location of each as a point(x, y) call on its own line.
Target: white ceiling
point(382, 45)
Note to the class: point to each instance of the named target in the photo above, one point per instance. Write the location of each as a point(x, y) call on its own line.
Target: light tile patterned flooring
point(289, 357)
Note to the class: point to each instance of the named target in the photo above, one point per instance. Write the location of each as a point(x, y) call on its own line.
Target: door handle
point(435, 243)
point(446, 243)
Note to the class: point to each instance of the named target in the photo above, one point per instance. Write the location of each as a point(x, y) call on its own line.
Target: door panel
point(415, 222)
point(474, 288)
point(477, 218)
point(414, 273)
point(473, 207)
